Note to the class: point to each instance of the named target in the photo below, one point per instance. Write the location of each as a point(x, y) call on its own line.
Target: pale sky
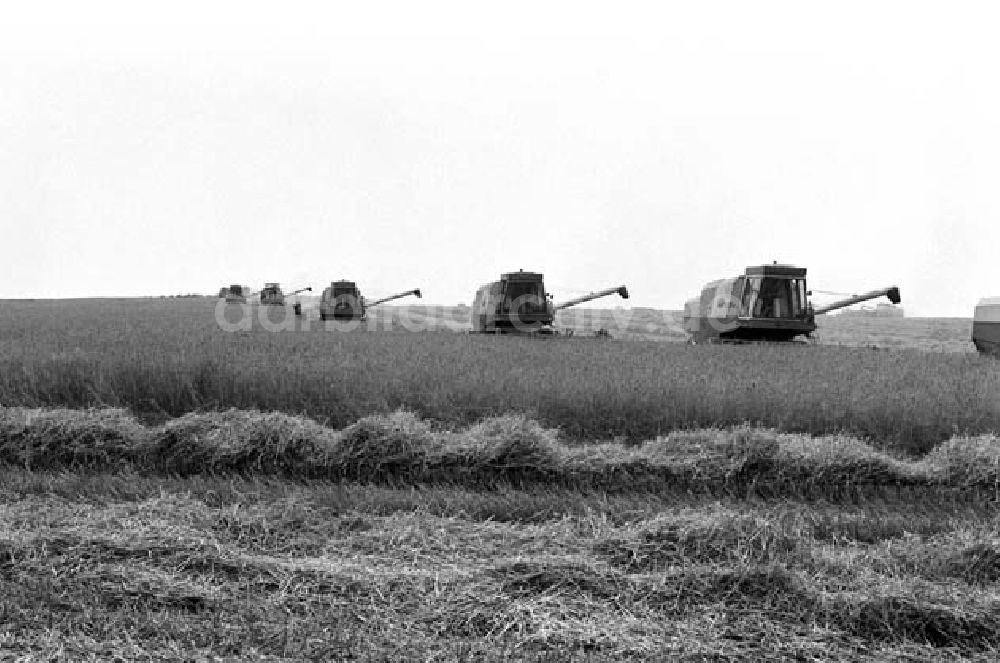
point(425, 144)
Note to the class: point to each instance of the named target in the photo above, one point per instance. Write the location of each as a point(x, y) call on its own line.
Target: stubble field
point(434, 496)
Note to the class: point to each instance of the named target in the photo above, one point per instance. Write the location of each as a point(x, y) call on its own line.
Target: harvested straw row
point(402, 447)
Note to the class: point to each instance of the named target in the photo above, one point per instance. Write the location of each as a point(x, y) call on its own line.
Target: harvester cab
point(519, 303)
point(343, 301)
point(766, 303)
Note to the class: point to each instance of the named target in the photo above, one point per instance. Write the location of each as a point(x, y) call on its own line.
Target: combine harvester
point(236, 294)
point(986, 326)
point(343, 301)
point(767, 303)
point(271, 295)
point(518, 304)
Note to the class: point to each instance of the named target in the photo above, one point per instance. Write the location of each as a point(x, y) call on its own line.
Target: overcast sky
point(435, 145)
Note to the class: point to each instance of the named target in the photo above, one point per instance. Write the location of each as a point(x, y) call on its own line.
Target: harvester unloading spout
point(415, 292)
point(891, 292)
point(297, 305)
point(621, 290)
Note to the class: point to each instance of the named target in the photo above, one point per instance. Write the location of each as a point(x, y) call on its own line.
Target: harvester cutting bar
point(892, 293)
point(390, 298)
point(621, 290)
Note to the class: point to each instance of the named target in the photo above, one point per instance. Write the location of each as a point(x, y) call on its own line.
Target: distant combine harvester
point(343, 301)
point(271, 294)
point(235, 294)
point(519, 304)
point(986, 326)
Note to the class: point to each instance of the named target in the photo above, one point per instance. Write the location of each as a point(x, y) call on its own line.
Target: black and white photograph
point(526, 331)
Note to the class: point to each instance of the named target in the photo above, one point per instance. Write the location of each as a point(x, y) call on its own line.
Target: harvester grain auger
point(415, 292)
point(766, 303)
point(518, 304)
point(297, 305)
point(343, 301)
